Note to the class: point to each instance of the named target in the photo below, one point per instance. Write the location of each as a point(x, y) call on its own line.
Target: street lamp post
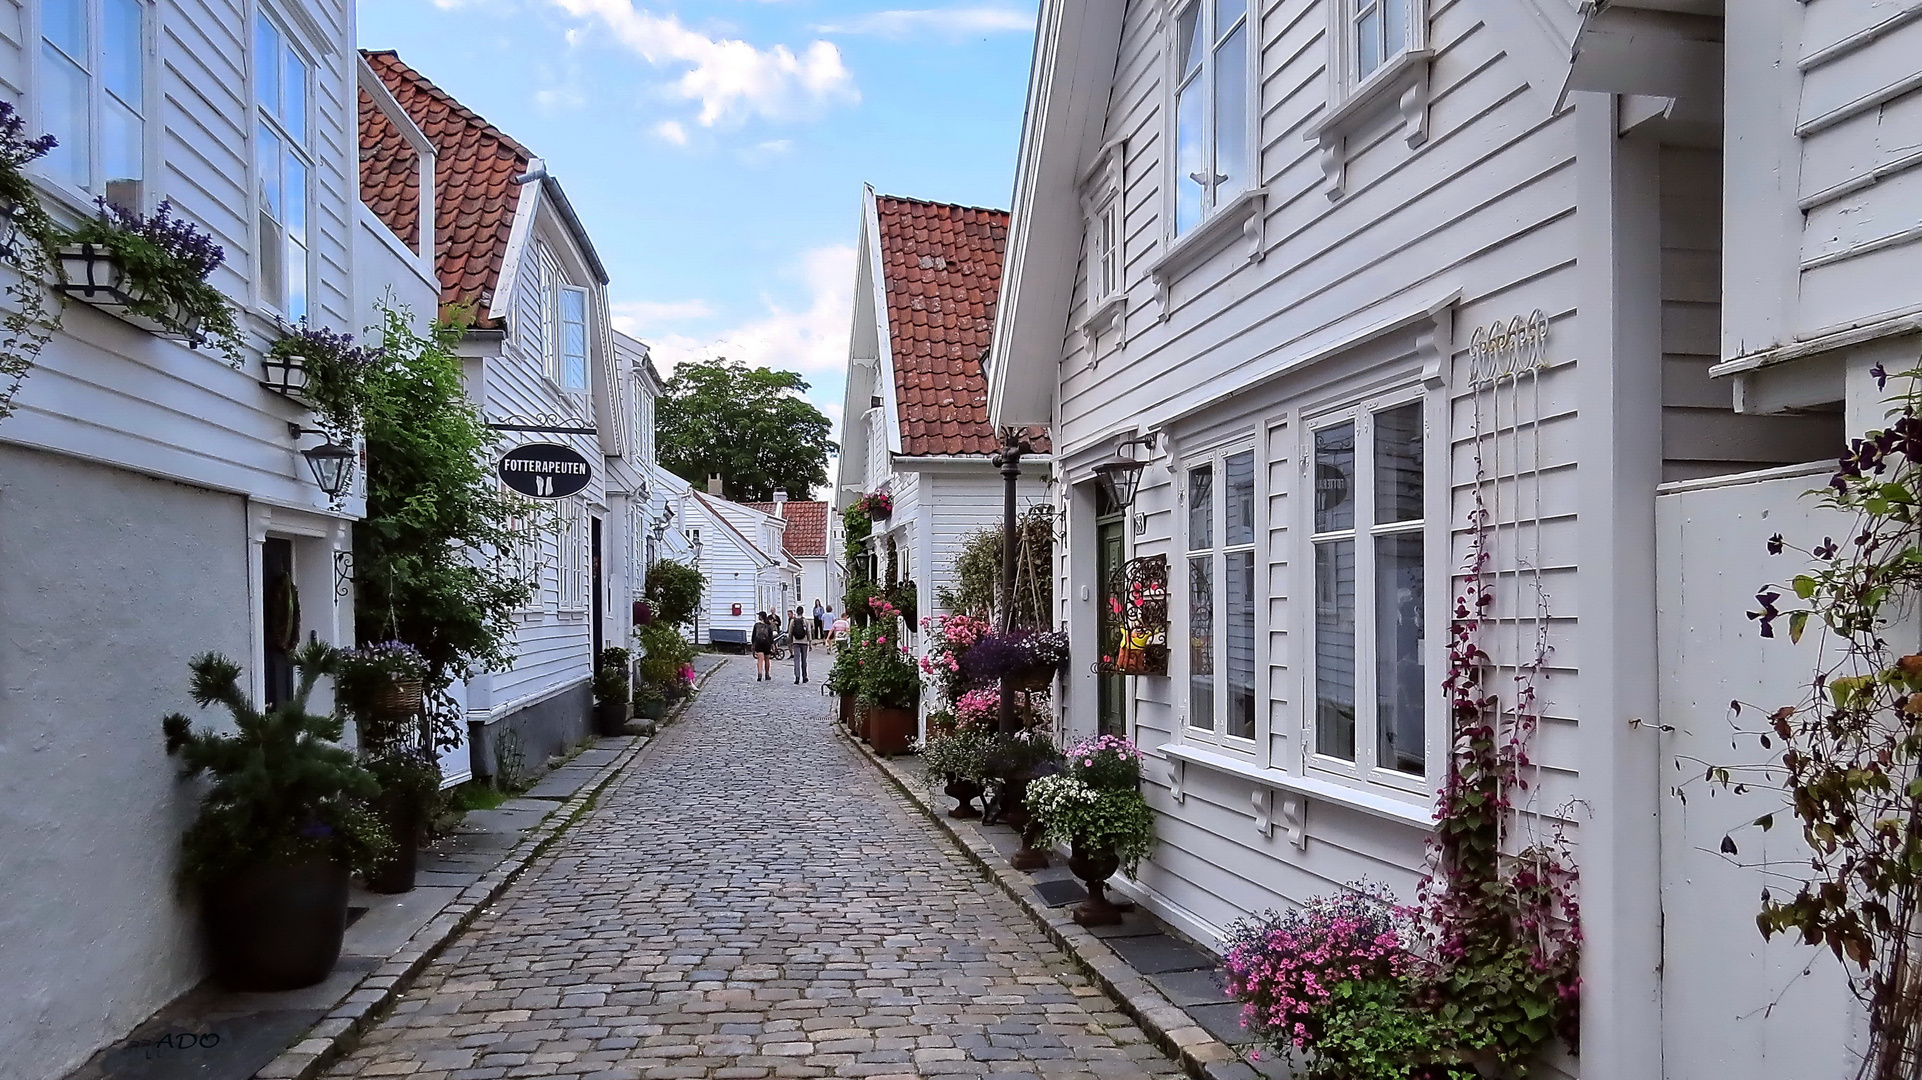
point(701, 598)
point(1008, 460)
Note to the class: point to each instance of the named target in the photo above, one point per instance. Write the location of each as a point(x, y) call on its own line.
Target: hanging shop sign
point(545, 471)
point(1135, 618)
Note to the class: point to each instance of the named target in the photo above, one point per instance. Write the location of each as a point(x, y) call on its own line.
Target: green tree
point(429, 563)
point(750, 426)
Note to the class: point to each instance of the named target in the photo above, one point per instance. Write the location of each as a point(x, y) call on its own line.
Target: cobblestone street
point(751, 899)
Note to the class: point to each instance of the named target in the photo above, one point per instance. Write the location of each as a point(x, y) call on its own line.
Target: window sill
point(1243, 217)
point(1108, 313)
point(1385, 807)
point(1403, 82)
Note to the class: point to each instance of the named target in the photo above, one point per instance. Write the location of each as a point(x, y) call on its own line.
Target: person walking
point(820, 619)
point(762, 640)
point(800, 631)
point(838, 632)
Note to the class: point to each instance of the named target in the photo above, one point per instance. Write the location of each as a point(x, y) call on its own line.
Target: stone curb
point(1201, 1055)
point(339, 1031)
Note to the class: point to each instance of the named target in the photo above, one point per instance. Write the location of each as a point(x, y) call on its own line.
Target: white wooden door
point(1733, 1004)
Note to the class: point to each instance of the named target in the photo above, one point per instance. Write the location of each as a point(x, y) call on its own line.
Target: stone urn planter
point(402, 818)
point(1094, 868)
point(655, 710)
point(277, 925)
point(890, 731)
point(963, 792)
point(610, 717)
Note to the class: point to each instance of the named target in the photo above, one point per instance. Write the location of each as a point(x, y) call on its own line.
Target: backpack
point(798, 629)
point(763, 635)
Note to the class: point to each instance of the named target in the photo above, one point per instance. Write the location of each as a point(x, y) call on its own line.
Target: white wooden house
point(151, 496)
point(515, 260)
point(805, 542)
point(915, 419)
point(738, 551)
point(1360, 266)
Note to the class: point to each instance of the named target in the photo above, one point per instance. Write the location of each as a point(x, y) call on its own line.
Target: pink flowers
point(1285, 968)
point(978, 708)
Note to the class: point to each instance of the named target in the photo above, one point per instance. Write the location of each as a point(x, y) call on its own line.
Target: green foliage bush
point(675, 591)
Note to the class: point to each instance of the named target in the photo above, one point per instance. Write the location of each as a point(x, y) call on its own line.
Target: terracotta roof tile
point(389, 173)
point(807, 526)
point(941, 267)
point(475, 193)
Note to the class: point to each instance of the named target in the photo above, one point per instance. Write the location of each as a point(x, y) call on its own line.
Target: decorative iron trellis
point(1135, 618)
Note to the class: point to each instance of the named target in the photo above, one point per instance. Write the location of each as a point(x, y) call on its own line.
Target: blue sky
point(716, 148)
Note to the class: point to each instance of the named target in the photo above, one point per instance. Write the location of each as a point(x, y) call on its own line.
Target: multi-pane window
point(1107, 250)
point(284, 159)
point(91, 90)
point(1370, 688)
point(525, 544)
point(1378, 33)
point(573, 557)
point(1221, 595)
point(1211, 108)
point(570, 346)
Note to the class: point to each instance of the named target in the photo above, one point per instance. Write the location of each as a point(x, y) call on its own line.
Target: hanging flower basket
point(94, 276)
point(286, 375)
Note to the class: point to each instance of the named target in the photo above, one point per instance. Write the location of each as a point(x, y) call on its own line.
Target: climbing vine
point(1848, 755)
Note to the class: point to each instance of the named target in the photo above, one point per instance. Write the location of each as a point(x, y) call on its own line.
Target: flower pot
point(277, 925)
point(1030, 855)
point(847, 711)
point(891, 731)
point(1094, 868)
point(95, 276)
point(861, 711)
point(399, 701)
point(401, 819)
point(655, 710)
point(610, 717)
point(963, 792)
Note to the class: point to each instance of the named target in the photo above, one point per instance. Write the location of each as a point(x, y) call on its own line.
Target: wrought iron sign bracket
point(545, 424)
point(343, 574)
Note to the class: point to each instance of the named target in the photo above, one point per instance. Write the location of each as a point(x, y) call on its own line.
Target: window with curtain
point(284, 162)
point(1369, 621)
point(1211, 108)
point(1221, 595)
point(91, 95)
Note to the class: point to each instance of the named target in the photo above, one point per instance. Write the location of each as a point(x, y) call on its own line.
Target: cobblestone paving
point(749, 900)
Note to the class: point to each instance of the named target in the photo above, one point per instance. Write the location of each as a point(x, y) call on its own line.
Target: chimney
point(780, 496)
point(714, 484)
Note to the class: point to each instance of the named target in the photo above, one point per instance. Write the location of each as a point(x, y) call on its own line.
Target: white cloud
point(731, 79)
point(950, 22)
point(672, 131)
point(812, 339)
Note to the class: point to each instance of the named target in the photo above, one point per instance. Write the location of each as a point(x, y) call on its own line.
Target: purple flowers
point(15, 149)
point(194, 252)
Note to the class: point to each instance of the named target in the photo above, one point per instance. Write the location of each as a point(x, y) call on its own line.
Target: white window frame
point(1216, 195)
point(571, 536)
point(1217, 552)
point(1344, 17)
point(271, 234)
point(525, 549)
point(1364, 770)
point(82, 197)
point(558, 372)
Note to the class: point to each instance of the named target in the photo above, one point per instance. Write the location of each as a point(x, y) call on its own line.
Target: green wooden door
point(1113, 718)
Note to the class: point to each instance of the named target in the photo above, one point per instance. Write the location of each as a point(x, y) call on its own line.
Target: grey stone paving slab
point(222, 1048)
point(1136, 923)
point(602, 754)
point(751, 900)
point(1057, 893)
point(1222, 1021)
point(1186, 988)
point(562, 783)
point(501, 819)
point(436, 878)
point(1156, 953)
point(392, 920)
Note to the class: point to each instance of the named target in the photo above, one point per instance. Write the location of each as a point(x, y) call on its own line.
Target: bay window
point(283, 158)
point(91, 91)
point(1221, 595)
point(1369, 679)
point(1212, 113)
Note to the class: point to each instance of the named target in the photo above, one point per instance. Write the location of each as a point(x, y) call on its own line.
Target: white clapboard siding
point(957, 505)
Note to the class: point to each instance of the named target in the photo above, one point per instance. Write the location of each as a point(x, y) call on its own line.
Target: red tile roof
point(389, 173)
point(807, 526)
point(941, 265)
point(474, 173)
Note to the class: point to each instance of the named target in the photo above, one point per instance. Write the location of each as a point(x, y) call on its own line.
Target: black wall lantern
point(332, 463)
point(1120, 479)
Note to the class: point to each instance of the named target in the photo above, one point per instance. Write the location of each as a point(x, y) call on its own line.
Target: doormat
point(1058, 893)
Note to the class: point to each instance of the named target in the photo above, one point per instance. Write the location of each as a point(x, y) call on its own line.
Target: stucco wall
point(109, 584)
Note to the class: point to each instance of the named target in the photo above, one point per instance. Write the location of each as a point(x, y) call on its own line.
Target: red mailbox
point(737, 609)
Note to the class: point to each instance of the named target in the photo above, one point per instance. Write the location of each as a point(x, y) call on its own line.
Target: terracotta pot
point(277, 925)
point(890, 731)
point(847, 711)
point(400, 818)
point(963, 792)
point(1094, 868)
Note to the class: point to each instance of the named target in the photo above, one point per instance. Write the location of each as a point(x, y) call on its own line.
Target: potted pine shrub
point(611, 692)
point(380, 687)
point(650, 704)
point(280, 829)
point(1096, 806)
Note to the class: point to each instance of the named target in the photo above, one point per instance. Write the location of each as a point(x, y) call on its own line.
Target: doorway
point(280, 622)
point(1111, 553)
point(599, 584)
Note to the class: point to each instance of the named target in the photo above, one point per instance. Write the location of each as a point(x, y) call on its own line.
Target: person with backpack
point(801, 631)
point(761, 639)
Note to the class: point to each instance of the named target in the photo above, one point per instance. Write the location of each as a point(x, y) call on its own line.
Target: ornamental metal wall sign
point(1135, 619)
point(545, 471)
